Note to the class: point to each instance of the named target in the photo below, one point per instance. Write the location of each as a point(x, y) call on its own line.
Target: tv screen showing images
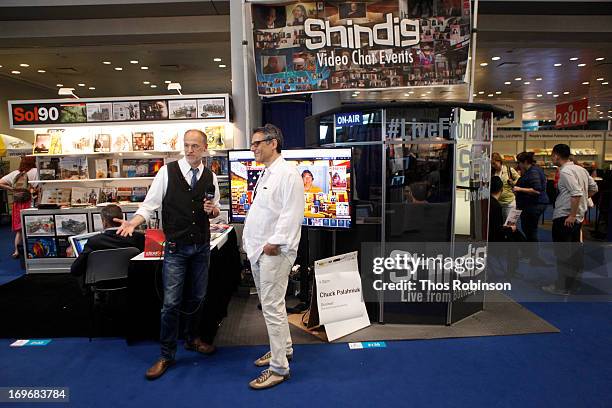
point(326, 175)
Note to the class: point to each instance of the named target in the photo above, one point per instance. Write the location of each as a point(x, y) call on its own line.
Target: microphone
point(210, 192)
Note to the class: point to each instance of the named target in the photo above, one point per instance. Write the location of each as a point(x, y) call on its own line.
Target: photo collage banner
point(336, 45)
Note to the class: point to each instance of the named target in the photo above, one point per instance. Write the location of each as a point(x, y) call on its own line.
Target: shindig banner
point(572, 113)
point(328, 46)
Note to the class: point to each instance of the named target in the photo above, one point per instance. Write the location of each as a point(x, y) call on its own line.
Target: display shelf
point(108, 179)
point(142, 153)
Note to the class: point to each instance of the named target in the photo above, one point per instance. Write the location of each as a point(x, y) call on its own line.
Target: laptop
point(78, 241)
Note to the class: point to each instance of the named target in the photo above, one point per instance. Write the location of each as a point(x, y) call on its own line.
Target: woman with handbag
point(17, 182)
point(508, 176)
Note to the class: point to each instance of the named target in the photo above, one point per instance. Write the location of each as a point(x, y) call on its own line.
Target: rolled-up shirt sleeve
point(217, 192)
point(155, 195)
point(290, 220)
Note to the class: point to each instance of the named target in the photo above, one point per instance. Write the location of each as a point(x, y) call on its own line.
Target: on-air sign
point(572, 113)
point(348, 119)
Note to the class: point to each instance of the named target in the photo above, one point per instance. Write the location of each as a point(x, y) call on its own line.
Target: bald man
point(184, 191)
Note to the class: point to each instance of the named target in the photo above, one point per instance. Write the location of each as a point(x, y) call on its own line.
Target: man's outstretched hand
point(126, 229)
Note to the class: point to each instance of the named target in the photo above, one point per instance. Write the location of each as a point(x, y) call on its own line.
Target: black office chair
point(107, 271)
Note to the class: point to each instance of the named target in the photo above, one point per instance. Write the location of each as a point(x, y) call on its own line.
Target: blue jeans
point(185, 277)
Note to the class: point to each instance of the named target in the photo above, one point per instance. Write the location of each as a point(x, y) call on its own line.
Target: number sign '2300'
point(572, 113)
point(33, 114)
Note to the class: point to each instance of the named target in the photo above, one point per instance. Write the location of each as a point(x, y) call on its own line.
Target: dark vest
point(183, 217)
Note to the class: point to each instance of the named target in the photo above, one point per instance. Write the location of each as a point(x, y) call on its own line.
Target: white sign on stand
point(340, 295)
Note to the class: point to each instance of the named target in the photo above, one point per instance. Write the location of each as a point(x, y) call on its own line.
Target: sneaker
point(552, 289)
point(267, 379)
point(265, 359)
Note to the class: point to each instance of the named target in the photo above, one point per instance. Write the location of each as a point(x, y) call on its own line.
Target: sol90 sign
point(35, 114)
point(572, 113)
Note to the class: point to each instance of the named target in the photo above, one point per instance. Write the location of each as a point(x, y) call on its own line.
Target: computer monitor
point(326, 175)
point(78, 241)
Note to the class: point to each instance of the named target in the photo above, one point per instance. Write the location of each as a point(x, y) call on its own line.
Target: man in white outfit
point(270, 238)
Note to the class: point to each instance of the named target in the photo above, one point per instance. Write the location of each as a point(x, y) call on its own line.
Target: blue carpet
point(570, 369)
point(9, 267)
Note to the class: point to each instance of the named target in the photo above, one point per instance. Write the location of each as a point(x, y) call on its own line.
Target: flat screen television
point(326, 174)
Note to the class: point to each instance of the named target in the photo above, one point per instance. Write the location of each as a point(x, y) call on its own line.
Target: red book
point(154, 243)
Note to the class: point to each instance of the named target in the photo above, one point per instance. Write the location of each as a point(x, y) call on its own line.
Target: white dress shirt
point(157, 191)
point(277, 211)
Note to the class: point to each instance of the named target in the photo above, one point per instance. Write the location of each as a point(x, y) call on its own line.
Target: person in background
point(531, 199)
point(508, 176)
point(500, 233)
point(575, 186)
point(271, 238)
point(108, 239)
point(17, 182)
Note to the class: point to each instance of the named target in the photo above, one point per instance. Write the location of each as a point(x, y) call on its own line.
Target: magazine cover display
point(102, 143)
point(39, 225)
point(183, 109)
point(99, 112)
point(216, 136)
point(41, 247)
point(70, 224)
point(73, 168)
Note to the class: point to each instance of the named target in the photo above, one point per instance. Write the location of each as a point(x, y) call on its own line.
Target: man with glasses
point(270, 238)
point(183, 189)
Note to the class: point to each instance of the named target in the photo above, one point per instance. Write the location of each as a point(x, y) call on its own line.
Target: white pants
point(271, 275)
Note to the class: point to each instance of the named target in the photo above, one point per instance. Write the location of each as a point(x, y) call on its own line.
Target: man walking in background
point(271, 237)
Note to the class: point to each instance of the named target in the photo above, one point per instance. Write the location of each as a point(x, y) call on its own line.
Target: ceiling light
point(42, 71)
point(539, 95)
point(358, 92)
point(176, 86)
point(92, 88)
point(60, 85)
point(118, 69)
point(474, 95)
point(599, 59)
point(555, 96)
point(81, 84)
point(600, 79)
point(507, 83)
point(495, 58)
point(518, 78)
point(480, 92)
point(66, 92)
point(16, 72)
point(146, 82)
point(538, 78)
point(222, 66)
point(24, 65)
point(597, 106)
point(490, 95)
point(605, 83)
point(566, 93)
point(217, 59)
point(582, 65)
point(548, 93)
point(588, 107)
point(133, 62)
point(484, 64)
point(106, 62)
point(558, 64)
point(585, 83)
point(143, 67)
point(404, 94)
point(167, 82)
point(422, 95)
point(574, 59)
point(428, 92)
point(526, 82)
point(498, 92)
point(153, 86)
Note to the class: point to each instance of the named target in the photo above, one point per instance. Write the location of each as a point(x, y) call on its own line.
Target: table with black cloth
point(145, 292)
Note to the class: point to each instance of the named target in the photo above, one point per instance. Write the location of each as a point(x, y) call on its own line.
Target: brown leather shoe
point(159, 368)
point(200, 346)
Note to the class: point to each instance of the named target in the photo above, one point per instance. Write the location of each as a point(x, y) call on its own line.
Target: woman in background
point(17, 182)
point(531, 199)
point(508, 176)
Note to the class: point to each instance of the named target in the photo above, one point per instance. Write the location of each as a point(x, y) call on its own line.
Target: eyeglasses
point(256, 143)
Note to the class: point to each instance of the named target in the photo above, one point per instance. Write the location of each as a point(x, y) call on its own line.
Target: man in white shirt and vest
point(188, 193)
point(270, 238)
